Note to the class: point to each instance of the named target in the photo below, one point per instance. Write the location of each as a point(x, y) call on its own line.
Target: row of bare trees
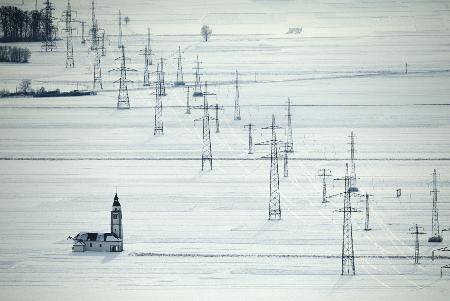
point(17, 25)
point(14, 54)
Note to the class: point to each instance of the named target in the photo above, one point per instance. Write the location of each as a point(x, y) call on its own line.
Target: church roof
point(116, 200)
point(94, 236)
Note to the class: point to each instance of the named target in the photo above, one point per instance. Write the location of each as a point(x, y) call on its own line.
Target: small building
point(103, 242)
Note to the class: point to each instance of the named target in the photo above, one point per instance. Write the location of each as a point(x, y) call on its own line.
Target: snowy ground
point(192, 235)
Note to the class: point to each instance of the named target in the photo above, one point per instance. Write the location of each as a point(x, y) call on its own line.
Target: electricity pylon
point(324, 173)
point(97, 48)
point(123, 101)
point(416, 241)
point(83, 38)
point(274, 199)
point(97, 71)
point(352, 164)
point(366, 222)
point(237, 108)
point(285, 150)
point(94, 29)
point(250, 137)
point(216, 108)
point(159, 126)
point(49, 43)
point(289, 140)
point(188, 106)
point(68, 28)
point(435, 233)
point(147, 53)
point(198, 85)
point(180, 80)
point(348, 254)
point(206, 148)
point(161, 87)
point(119, 40)
point(103, 44)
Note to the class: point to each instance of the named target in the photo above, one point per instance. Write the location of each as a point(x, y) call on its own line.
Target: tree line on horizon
point(17, 25)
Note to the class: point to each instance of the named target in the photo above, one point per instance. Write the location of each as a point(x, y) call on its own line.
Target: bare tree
point(206, 32)
point(25, 86)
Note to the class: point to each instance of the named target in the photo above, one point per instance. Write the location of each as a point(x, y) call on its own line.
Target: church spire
point(116, 200)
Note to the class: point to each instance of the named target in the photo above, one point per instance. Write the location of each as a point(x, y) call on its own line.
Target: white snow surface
point(193, 235)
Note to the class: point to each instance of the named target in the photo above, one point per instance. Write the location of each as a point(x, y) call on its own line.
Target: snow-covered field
point(193, 235)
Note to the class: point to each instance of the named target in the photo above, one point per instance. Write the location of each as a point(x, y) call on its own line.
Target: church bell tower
point(116, 218)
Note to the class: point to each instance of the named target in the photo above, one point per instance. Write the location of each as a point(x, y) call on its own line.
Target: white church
point(103, 242)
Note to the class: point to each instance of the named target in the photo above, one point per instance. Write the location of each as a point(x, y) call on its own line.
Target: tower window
point(100, 245)
point(114, 216)
point(90, 244)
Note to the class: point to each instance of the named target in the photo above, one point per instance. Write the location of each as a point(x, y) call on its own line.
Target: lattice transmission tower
point(147, 53)
point(119, 36)
point(366, 222)
point(417, 230)
point(180, 80)
point(285, 150)
point(188, 106)
point(216, 109)
point(324, 173)
point(123, 100)
point(93, 31)
point(83, 38)
point(159, 125)
point(49, 43)
point(68, 28)
point(160, 84)
point(348, 254)
point(207, 156)
point(237, 108)
point(289, 139)
point(97, 47)
point(197, 85)
point(274, 198)
point(352, 186)
point(435, 233)
point(250, 127)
